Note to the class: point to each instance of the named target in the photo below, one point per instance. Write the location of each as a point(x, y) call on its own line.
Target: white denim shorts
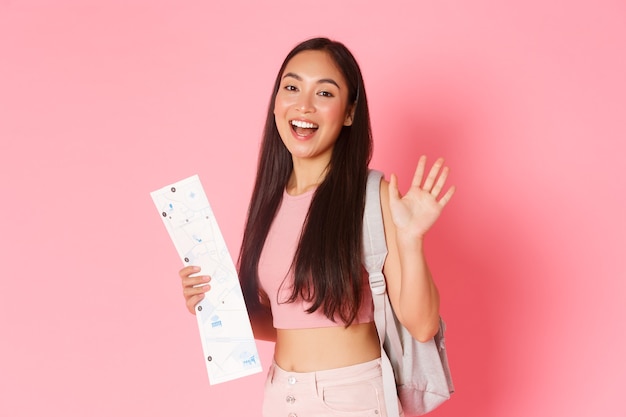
point(351, 391)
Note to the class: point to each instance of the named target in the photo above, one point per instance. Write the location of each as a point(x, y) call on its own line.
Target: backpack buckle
point(377, 283)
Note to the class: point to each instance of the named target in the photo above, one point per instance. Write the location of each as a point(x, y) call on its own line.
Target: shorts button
point(291, 380)
point(290, 399)
point(292, 415)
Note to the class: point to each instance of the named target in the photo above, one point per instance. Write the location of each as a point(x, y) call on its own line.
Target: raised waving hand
point(416, 211)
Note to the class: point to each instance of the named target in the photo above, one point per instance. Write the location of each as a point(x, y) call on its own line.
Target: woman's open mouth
point(302, 128)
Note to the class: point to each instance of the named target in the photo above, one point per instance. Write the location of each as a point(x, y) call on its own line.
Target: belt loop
point(318, 387)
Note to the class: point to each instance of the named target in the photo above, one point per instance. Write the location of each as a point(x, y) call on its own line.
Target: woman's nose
point(305, 103)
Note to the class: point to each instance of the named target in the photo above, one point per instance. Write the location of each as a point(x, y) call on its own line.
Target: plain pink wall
point(103, 102)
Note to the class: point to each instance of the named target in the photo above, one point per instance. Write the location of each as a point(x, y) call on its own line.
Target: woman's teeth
point(304, 125)
point(303, 128)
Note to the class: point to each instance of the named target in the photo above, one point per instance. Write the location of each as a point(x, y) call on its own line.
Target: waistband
point(361, 371)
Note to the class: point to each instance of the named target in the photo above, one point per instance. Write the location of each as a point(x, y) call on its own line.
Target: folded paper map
point(228, 344)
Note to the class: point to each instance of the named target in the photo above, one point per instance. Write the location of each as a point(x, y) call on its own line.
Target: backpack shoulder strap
point(374, 244)
point(374, 255)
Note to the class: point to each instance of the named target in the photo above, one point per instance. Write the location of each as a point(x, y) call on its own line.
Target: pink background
point(103, 102)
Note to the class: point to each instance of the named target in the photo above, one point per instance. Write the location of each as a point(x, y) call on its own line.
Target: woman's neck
point(305, 177)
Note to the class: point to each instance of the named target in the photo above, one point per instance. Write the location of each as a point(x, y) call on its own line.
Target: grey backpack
point(415, 373)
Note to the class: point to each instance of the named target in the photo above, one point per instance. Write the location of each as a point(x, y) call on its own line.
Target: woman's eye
point(325, 94)
point(290, 88)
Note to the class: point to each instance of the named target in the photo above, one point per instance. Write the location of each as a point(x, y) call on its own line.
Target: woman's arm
point(412, 291)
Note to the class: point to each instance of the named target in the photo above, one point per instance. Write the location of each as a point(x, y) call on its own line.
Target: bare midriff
point(308, 350)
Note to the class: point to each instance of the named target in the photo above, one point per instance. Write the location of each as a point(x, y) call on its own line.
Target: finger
point(419, 172)
point(447, 196)
point(432, 175)
point(196, 290)
point(394, 193)
point(188, 270)
point(440, 182)
point(192, 302)
point(196, 281)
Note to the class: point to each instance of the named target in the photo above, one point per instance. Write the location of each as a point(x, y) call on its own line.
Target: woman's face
point(311, 106)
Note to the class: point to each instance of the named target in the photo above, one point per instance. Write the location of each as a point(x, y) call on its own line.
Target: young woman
point(300, 261)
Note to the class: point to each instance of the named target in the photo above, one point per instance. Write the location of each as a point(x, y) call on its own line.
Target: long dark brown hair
point(328, 262)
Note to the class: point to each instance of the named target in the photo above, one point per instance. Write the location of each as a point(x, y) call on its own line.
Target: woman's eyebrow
point(320, 81)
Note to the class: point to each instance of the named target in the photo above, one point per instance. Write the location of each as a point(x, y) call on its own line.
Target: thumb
point(394, 194)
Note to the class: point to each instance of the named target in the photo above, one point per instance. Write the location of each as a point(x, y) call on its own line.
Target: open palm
point(416, 211)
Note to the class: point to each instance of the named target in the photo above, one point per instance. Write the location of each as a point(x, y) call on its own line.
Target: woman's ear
point(350, 115)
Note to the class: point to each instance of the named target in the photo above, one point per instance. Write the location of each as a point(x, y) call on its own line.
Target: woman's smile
point(303, 129)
